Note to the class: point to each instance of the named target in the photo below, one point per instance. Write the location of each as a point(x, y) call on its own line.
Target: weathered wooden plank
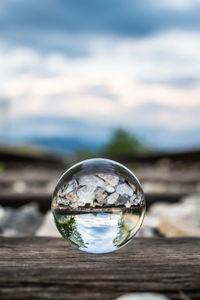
point(144, 173)
point(48, 268)
point(186, 156)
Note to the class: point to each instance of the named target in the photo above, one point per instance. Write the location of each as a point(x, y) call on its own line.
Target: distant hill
point(65, 144)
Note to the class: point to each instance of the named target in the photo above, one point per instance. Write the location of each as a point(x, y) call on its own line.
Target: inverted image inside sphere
point(98, 205)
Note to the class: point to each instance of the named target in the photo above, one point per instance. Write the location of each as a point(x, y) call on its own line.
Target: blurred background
point(116, 79)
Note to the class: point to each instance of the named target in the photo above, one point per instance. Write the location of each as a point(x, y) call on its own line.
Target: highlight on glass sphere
point(98, 205)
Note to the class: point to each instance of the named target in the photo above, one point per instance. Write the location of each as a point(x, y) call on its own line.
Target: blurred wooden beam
point(185, 156)
point(26, 155)
point(48, 268)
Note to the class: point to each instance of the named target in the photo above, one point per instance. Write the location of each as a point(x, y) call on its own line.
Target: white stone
point(67, 190)
point(61, 201)
point(100, 195)
point(95, 203)
point(70, 187)
point(132, 199)
point(72, 197)
point(80, 203)
point(91, 180)
point(19, 186)
point(124, 188)
point(112, 198)
point(10, 232)
point(86, 194)
point(178, 219)
point(24, 220)
point(109, 178)
point(48, 227)
point(145, 231)
point(110, 189)
point(121, 201)
point(137, 201)
point(128, 204)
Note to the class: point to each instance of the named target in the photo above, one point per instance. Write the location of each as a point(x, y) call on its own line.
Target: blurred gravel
point(162, 219)
point(20, 222)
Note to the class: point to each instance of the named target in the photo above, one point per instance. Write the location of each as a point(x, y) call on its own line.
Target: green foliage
point(123, 143)
point(125, 230)
point(122, 235)
point(1, 167)
point(84, 154)
point(68, 228)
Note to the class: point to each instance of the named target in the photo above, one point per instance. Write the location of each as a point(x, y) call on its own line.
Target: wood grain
point(48, 268)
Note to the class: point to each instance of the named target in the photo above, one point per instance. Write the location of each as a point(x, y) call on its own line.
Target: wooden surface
point(47, 268)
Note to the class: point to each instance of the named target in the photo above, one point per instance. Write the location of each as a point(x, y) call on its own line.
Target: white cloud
point(177, 5)
point(157, 57)
point(54, 85)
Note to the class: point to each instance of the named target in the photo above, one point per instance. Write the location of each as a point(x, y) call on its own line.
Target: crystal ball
point(98, 205)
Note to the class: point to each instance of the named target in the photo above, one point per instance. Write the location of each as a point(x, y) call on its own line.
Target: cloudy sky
point(79, 69)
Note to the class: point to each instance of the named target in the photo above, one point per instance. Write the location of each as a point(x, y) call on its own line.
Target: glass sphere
point(98, 205)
